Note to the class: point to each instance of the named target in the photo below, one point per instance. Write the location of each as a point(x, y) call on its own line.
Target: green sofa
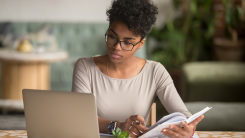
point(78, 39)
point(224, 116)
point(220, 85)
point(213, 81)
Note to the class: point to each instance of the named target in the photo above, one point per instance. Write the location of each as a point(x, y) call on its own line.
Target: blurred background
point(200, 42)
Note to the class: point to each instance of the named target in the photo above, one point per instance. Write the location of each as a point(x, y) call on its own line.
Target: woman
point(125, 85)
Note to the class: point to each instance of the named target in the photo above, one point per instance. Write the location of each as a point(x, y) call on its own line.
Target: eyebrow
point(124, 37)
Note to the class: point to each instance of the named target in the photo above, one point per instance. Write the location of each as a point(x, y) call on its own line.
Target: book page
point(165, 118)
point(156, 132)
point(196, 115)
point(176, 120)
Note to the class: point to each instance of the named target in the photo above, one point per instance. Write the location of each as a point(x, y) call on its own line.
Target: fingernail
point(164, 130)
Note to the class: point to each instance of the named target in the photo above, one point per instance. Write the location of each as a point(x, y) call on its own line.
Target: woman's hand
point(134, 125)
point(185, 132)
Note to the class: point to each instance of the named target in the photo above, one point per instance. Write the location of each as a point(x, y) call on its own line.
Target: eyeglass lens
point(113, 41)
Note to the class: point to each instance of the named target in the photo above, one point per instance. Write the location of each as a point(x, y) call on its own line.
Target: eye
point(126, 43)
point(110, 36)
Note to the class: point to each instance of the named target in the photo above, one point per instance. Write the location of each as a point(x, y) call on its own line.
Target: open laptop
point(51, 114)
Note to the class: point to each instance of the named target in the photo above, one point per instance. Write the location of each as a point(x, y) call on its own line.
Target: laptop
point(56, 114)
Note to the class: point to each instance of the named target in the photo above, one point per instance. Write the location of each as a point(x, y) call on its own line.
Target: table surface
point(50, 56)
point(201, 134)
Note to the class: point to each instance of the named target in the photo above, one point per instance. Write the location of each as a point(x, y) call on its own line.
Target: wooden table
point(25, 70)
point(201, 134)
point(220, 134)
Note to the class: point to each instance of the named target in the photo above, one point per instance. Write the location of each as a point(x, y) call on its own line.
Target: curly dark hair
point(138, 15)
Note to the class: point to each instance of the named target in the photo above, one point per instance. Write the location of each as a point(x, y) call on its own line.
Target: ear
point(141, 43)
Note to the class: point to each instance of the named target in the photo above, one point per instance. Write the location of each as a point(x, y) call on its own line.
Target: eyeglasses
point(109, 39)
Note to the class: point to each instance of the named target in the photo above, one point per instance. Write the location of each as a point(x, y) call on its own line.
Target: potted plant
point(231, 47)
point(184, 39)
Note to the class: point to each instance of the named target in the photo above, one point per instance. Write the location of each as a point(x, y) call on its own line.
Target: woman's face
point(119, 31)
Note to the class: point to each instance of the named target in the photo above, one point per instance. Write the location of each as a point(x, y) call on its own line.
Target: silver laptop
point(51, 114)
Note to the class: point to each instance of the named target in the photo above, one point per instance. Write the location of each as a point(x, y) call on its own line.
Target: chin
point(116, 60)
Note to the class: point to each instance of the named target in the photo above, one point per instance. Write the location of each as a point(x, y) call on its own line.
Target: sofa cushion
point(222, 117)
point(214, 81)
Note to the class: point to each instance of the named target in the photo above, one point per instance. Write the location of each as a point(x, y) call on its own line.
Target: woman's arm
point(103, 125)
point(171, 100)
point(80, 79)
point(167, 92)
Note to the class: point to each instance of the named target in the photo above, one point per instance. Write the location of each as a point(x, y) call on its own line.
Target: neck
point(124, 66)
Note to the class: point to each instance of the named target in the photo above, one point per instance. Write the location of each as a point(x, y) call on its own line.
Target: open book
point(171, 119)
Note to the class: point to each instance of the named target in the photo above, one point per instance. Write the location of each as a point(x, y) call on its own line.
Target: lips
point(115, 55)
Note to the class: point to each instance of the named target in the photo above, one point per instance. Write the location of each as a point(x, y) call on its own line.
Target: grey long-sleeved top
point(118, 99)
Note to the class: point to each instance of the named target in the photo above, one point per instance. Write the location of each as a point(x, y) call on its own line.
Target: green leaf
point(120, 134)
point(193, 6)
point(118, 130)
point(188, 37)
point(113, 132)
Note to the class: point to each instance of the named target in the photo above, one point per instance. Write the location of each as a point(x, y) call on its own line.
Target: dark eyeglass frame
point(123, 41)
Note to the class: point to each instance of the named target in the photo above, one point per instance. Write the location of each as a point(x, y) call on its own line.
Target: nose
point(117, 46)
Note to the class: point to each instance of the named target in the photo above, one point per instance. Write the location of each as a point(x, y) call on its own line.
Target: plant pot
point(228, 50)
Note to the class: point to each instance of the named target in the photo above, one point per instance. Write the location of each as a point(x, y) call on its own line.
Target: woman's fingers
point(138, 122)
point(171, 133)
point(132, 135)
point(186, 127)
point(142, 129)
point(197, 120)
point(134, 131)
point(127, 124)
point(139, 118)
point(128, 127)
point(193, 124)
point(177, 129)
point(185, 131)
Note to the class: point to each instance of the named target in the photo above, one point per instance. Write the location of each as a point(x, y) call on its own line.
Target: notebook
point(171, 119)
